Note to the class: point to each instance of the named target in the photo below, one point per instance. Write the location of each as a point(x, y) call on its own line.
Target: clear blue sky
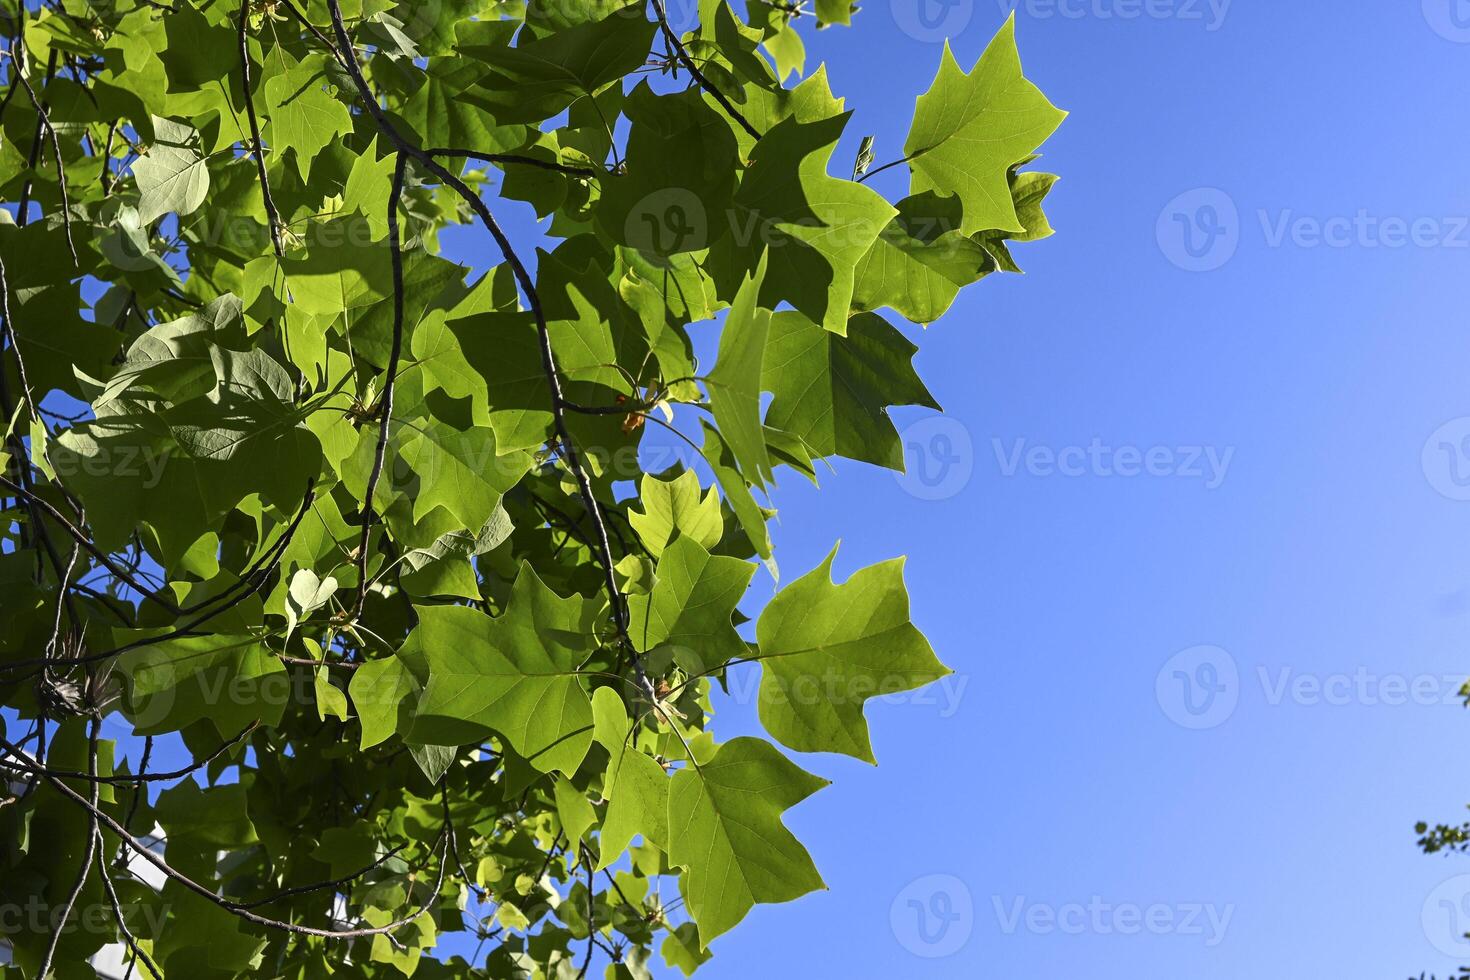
point(1316, 373)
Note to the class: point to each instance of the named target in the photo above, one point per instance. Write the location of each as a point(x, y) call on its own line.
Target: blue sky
point(1049, 812)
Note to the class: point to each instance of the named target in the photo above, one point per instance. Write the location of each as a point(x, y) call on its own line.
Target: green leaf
point(679, 175)
point(682, 949)
point(921, 260)
point(538, 78)
point(172, 176)
point(691, 604)
point(460, 471)
point(303, 116)
point(307, 594)
point(735, 383)
point(636, 787)
point(384, 694)
point(815, 225)
point(515, 674)
point(574, 810)
point(229, 681)
point(970, 129)
point(821, 663)
point(725, 831)
point(674, 508)
point(751, 516)
point(833, 392)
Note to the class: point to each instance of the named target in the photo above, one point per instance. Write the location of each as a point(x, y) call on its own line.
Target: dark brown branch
point(23, 213)
point(142, 771)
point(43, 123)
point(227, 600)
point(146, 853)
point(879, 170)
point(122, 926)
point(18, 448)
point(87, 545)
point(503, 158)
point(696, 74)
point(348, 57)
point(591, 914)
point(323, 885)
point(385, 406)
point(87, 859)
point(256, 149)
point(160, 777)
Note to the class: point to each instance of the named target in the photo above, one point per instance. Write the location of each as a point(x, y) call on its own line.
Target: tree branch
point(696, 74)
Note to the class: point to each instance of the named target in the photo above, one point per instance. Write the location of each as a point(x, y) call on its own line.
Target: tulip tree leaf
point(173, 176)
point(833, 392)
point(820, 663)
point(725, 830)
point(515, 674)
point(970, 129)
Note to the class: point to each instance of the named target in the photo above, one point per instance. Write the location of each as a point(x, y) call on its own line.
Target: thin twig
point(385, 407)
point(122, 926)
point(91, 852)
point(256, 149)
point(146, 853)
point(697, 75)
point(503, 158)
point(160, 777)
point(43, 122)
point(348, 56)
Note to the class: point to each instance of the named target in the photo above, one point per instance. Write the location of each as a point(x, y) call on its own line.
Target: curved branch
point(257, 150)
point(697, 75)
point(348, 57)
point(503, 158)
point(146, 853)
point(385, 408)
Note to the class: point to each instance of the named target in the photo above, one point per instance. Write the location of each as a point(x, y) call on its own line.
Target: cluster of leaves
point(350, 524)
